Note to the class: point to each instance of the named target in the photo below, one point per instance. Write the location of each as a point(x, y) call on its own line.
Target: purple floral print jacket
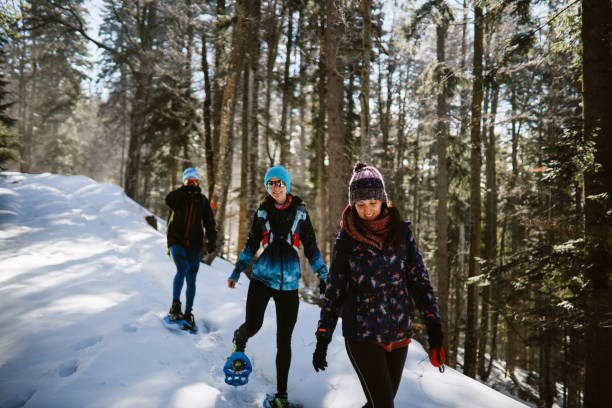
point(374, 290)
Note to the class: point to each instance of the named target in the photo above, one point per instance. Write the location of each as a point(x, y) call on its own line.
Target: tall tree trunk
point(137, 123)
point(459, 292)
point(320, 145)
point(142, 95)
point(304, 79)
point(206, 113)
point(243, 222)
point(272, 36)
point(218, 91)
point(285, 137)
point(471, 338)
point(223, 169)
point(415, 178)
point(490, 237)
point(459, 273)
point(253, 52)
point(442, 179)
point(336, 150)
point(24, 159)
point(512, 338)
point(364, 96)
point(485, 290)
point(597, 88)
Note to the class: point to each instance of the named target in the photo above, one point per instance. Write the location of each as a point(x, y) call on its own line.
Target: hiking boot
point(188, 317)
point(238, 343)
point(281, 401)
point(175, 311)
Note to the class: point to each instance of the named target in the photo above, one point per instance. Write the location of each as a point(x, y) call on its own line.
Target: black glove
point(434, 334)
point(436, 351)
point(321, 286)
point(319, 357)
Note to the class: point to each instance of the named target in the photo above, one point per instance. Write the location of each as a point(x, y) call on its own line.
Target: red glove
point(437, 358)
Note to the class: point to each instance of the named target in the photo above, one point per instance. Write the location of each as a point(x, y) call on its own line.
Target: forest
point(490, 121)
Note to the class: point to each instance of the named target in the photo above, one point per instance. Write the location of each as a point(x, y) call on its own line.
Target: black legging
point(379, 371)
point(287, 304)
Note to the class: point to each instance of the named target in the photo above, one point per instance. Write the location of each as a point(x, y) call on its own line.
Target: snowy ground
point(84, 282)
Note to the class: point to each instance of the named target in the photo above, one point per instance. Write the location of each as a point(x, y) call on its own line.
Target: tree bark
point(597, 88)
point(223, 167)
point(218, 91)
point(320, 143)
point(471, 338)
point(206, 113)
point(490, 235)
point(442, 130)
point(285, 137)
point(253, 52)
point(271, 37)
point(364, 96)
point(142, 82)
point(336, 150)
point(243, 222)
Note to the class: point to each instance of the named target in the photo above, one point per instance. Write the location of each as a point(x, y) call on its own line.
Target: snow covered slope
point(83, 284)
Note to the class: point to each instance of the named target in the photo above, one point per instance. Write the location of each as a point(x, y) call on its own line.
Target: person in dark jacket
point(190, 211)
point(280, 224)
point(376, 273)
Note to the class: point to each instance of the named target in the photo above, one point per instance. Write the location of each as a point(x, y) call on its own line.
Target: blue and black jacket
point(374, 290)
point(280, 232)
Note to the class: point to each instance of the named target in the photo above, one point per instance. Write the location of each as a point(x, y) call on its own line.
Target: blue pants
point(187, 265)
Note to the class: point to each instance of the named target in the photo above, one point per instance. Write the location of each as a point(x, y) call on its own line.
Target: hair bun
point(359, 166)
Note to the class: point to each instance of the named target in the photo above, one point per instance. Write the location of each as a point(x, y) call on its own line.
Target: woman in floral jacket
point(376, 273)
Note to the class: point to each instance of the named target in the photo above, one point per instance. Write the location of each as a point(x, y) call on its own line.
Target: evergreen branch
point(524, 38)
point(79, 27)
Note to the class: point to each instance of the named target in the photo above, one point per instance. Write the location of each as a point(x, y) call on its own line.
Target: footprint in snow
point(130, 328)
point(68, 368)
point(88, 342)
point(20, 399)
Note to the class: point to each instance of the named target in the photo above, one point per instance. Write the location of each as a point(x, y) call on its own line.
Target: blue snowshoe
point(178, 325)
point(237, 369)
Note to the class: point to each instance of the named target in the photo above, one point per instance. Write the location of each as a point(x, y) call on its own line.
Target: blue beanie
point(190, 173)
point(278, 172)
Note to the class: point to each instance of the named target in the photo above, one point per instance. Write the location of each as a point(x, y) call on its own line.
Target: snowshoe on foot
point(238, 343)
point(279, 401)
point(175, 313)
point(237, 369)
point(189, 321)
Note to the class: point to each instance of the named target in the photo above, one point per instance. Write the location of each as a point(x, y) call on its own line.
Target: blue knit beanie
point(190, 173)
point(278, 172)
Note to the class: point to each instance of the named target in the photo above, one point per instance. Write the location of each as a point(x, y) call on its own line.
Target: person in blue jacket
point(375, 276)
point(280, 224)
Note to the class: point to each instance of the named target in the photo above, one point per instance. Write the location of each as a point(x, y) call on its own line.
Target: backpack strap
point(294, 239)
point(267, 235)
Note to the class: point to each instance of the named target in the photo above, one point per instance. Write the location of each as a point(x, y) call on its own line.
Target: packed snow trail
point(84, 281)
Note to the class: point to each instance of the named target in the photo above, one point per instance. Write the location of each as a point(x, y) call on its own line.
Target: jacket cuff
point(322, 273)
point(235, 275)
point(323, 335)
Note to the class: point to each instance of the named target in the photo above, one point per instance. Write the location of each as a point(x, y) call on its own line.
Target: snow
point(84, 283)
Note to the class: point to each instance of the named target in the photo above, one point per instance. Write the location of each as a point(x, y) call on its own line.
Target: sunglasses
point(275, 183)
point(191, 181)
